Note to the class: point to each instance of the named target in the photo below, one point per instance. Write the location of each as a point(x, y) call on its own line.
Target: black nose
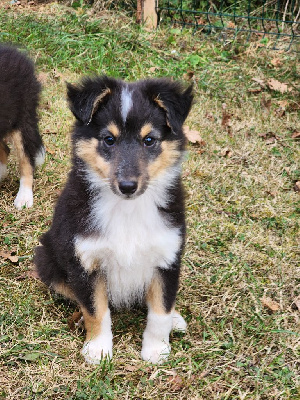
point(128, 187)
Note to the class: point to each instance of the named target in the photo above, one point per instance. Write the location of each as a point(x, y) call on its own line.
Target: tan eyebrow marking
point(146, 129)
point(112, 127)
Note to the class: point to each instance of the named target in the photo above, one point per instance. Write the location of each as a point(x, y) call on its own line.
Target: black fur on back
point(19, 97)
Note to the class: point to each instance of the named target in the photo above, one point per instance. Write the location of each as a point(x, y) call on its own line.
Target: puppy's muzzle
point(128, 187)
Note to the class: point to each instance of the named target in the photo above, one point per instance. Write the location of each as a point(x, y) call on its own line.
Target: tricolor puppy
point(118, 230)
point(19, 95)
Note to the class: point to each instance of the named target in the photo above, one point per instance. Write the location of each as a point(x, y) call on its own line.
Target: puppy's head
point(129, 134)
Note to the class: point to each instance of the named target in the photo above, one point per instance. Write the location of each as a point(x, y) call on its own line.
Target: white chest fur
point(132, 240)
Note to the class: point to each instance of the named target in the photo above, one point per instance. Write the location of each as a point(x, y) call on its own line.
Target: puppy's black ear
point(85, 98)
point(173, 98)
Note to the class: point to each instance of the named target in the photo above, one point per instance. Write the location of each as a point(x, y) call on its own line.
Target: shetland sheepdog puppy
point(118, 230)
point(19, 96)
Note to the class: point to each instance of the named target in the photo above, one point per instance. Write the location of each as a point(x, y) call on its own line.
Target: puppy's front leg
point(98, 343)
point(156, 347)
point(24, 196)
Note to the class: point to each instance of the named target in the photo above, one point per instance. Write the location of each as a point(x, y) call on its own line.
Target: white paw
point(178, 323)
point(3, 171)
point(154, 350)
point(97, 349)
point(24, 198)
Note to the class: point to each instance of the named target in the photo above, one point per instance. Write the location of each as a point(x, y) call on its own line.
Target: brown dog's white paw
point(97, 349)
point(24, 198)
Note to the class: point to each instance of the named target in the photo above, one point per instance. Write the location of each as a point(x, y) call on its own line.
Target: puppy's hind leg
point(25, 196)
point(4, 152)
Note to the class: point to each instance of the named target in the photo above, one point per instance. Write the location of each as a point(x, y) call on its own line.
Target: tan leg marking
point(26, 170)
point(98, 344)
point(93, 322)
point(25, 196)
point(155, 346)
point(154, 296)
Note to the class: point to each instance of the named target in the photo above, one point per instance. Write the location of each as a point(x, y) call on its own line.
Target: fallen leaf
point(193, 136)
point(297, 186)
point(210, 116)
point(10, 257)
point(226, 152)
point(276, 62)
point(261, 82)
point(255, 90)
point(296, 135)
point(296, 301)
point(152, 69)
point(131, 368)
point(269, 137)
point(278, 86)
point(203, 374)
point(74, 319)
point(188, 75)
point(265, 104)
point(50, 151)
point(32, 273)
point(231, 25)
point(226, 119)
point(176, 382)
point(270, 304)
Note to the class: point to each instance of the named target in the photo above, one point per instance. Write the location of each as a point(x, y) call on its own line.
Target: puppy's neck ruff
point(130, 238)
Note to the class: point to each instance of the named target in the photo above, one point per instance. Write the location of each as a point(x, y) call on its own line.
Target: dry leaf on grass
point(131, 368)
point(296, 301)
point(297, 186)
point(176, 382)
point(32, 273)
point(74, 319)
point(226, 152)
point(261, 82)
point(188, 75)
point(9, 256)
point(269, 137)
point(265, 103)
point(278, 86)
point(152, 69)
point(193, 136)
point(296, 135)
point(225, 116)
point(276, 62)
point(270, 304)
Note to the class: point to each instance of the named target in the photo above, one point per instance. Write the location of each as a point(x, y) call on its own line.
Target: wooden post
point(149, 15)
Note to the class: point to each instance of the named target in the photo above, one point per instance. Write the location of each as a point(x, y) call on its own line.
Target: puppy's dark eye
point(149, 141)
point(109, 140)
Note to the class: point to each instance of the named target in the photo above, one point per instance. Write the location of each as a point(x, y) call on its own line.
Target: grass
point(242, 212)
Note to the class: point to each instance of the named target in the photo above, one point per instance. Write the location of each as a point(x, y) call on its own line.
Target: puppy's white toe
point(24, 198)
point(155, 351)
point(97, 349)
point(178, 323)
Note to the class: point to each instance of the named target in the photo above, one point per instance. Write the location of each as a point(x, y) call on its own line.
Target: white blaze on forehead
point(126, 102)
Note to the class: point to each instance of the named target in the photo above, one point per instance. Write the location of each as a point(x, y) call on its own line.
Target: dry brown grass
point(243, 244)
